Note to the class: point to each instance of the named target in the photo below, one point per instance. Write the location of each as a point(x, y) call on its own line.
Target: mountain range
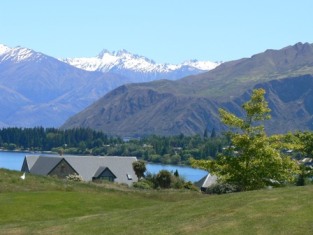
point(39, 90)
point(190, 105)
point(138, 68)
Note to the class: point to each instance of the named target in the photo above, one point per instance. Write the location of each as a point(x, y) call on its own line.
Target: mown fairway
point(42, 205)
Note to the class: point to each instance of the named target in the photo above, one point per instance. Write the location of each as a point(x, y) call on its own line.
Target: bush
point(74, 177)
point(142, 185)
point(221, 188)
point(151, 178)
point(164, 179)
point(300, 180)
point(190, 186)
point(177, 182)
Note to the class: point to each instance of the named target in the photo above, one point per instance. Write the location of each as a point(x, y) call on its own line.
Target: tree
point(253, 160)
point(305, 140)
point(205, 134)
point(139, 168)
point(213, 133)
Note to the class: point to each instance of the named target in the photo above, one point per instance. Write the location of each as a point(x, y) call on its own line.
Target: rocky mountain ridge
point(139, 68)
point(190, 105)
point(39, 90)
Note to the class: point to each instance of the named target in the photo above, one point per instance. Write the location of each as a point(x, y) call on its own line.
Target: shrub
point(142, 185)
point(151, 178)
point(74, 177)
point(300, 180)
point(190, 186)
point(220, 188)
point(164, 179)
point(177, 182)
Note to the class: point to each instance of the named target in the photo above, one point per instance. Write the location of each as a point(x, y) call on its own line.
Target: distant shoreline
point(27, 151)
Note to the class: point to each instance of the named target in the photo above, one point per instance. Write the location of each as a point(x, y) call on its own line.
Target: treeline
point(45, 139)
point(166, 150)
point(179, 149)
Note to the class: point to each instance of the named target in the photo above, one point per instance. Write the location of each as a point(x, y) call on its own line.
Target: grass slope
point(43, 205)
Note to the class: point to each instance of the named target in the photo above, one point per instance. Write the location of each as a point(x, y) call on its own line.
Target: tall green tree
point(305, 140)
point(253, 160)
point(304, 146)
point(139, 168)
point(213, 133)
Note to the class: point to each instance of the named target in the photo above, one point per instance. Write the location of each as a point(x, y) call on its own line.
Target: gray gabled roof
point(44, 165)
point(28, 163)
point(101, 170)
point(86, 166)
point(207, 181)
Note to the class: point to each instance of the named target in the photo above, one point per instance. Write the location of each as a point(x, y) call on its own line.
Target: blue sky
point(163, 30)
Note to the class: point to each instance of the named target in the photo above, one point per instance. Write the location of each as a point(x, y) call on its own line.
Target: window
point(108, 178)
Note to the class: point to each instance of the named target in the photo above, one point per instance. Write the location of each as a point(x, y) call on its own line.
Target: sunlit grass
point(43, 205)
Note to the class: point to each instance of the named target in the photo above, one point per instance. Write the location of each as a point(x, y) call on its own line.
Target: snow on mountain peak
point(122, 59)
point(121, 55)
point(18, 54)
point(118, 53)
point(4, 49)
point(122, 52)
point(102, 53)
point(202, 65)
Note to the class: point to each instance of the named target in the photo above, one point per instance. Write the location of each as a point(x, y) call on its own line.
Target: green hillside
point(43, 205)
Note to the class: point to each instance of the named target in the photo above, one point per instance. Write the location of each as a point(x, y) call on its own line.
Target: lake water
point(14, 161)
point(186, 172)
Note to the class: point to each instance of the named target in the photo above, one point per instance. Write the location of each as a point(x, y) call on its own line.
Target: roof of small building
point(207, 181)
point(101, 170)
point(43, 166)
point(85, 166)
point(29, 162)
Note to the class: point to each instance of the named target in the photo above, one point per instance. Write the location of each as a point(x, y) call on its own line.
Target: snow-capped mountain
point(4, 49)
point(139, 67)
point(18, 54)
point(39, 90)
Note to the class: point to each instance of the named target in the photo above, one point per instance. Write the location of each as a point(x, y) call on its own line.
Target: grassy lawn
point(43, 205)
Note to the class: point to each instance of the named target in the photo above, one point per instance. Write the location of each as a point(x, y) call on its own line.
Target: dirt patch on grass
point(12, 231)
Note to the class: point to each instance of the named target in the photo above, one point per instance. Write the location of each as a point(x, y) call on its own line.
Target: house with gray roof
point(90, 168)
point(206, 182)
